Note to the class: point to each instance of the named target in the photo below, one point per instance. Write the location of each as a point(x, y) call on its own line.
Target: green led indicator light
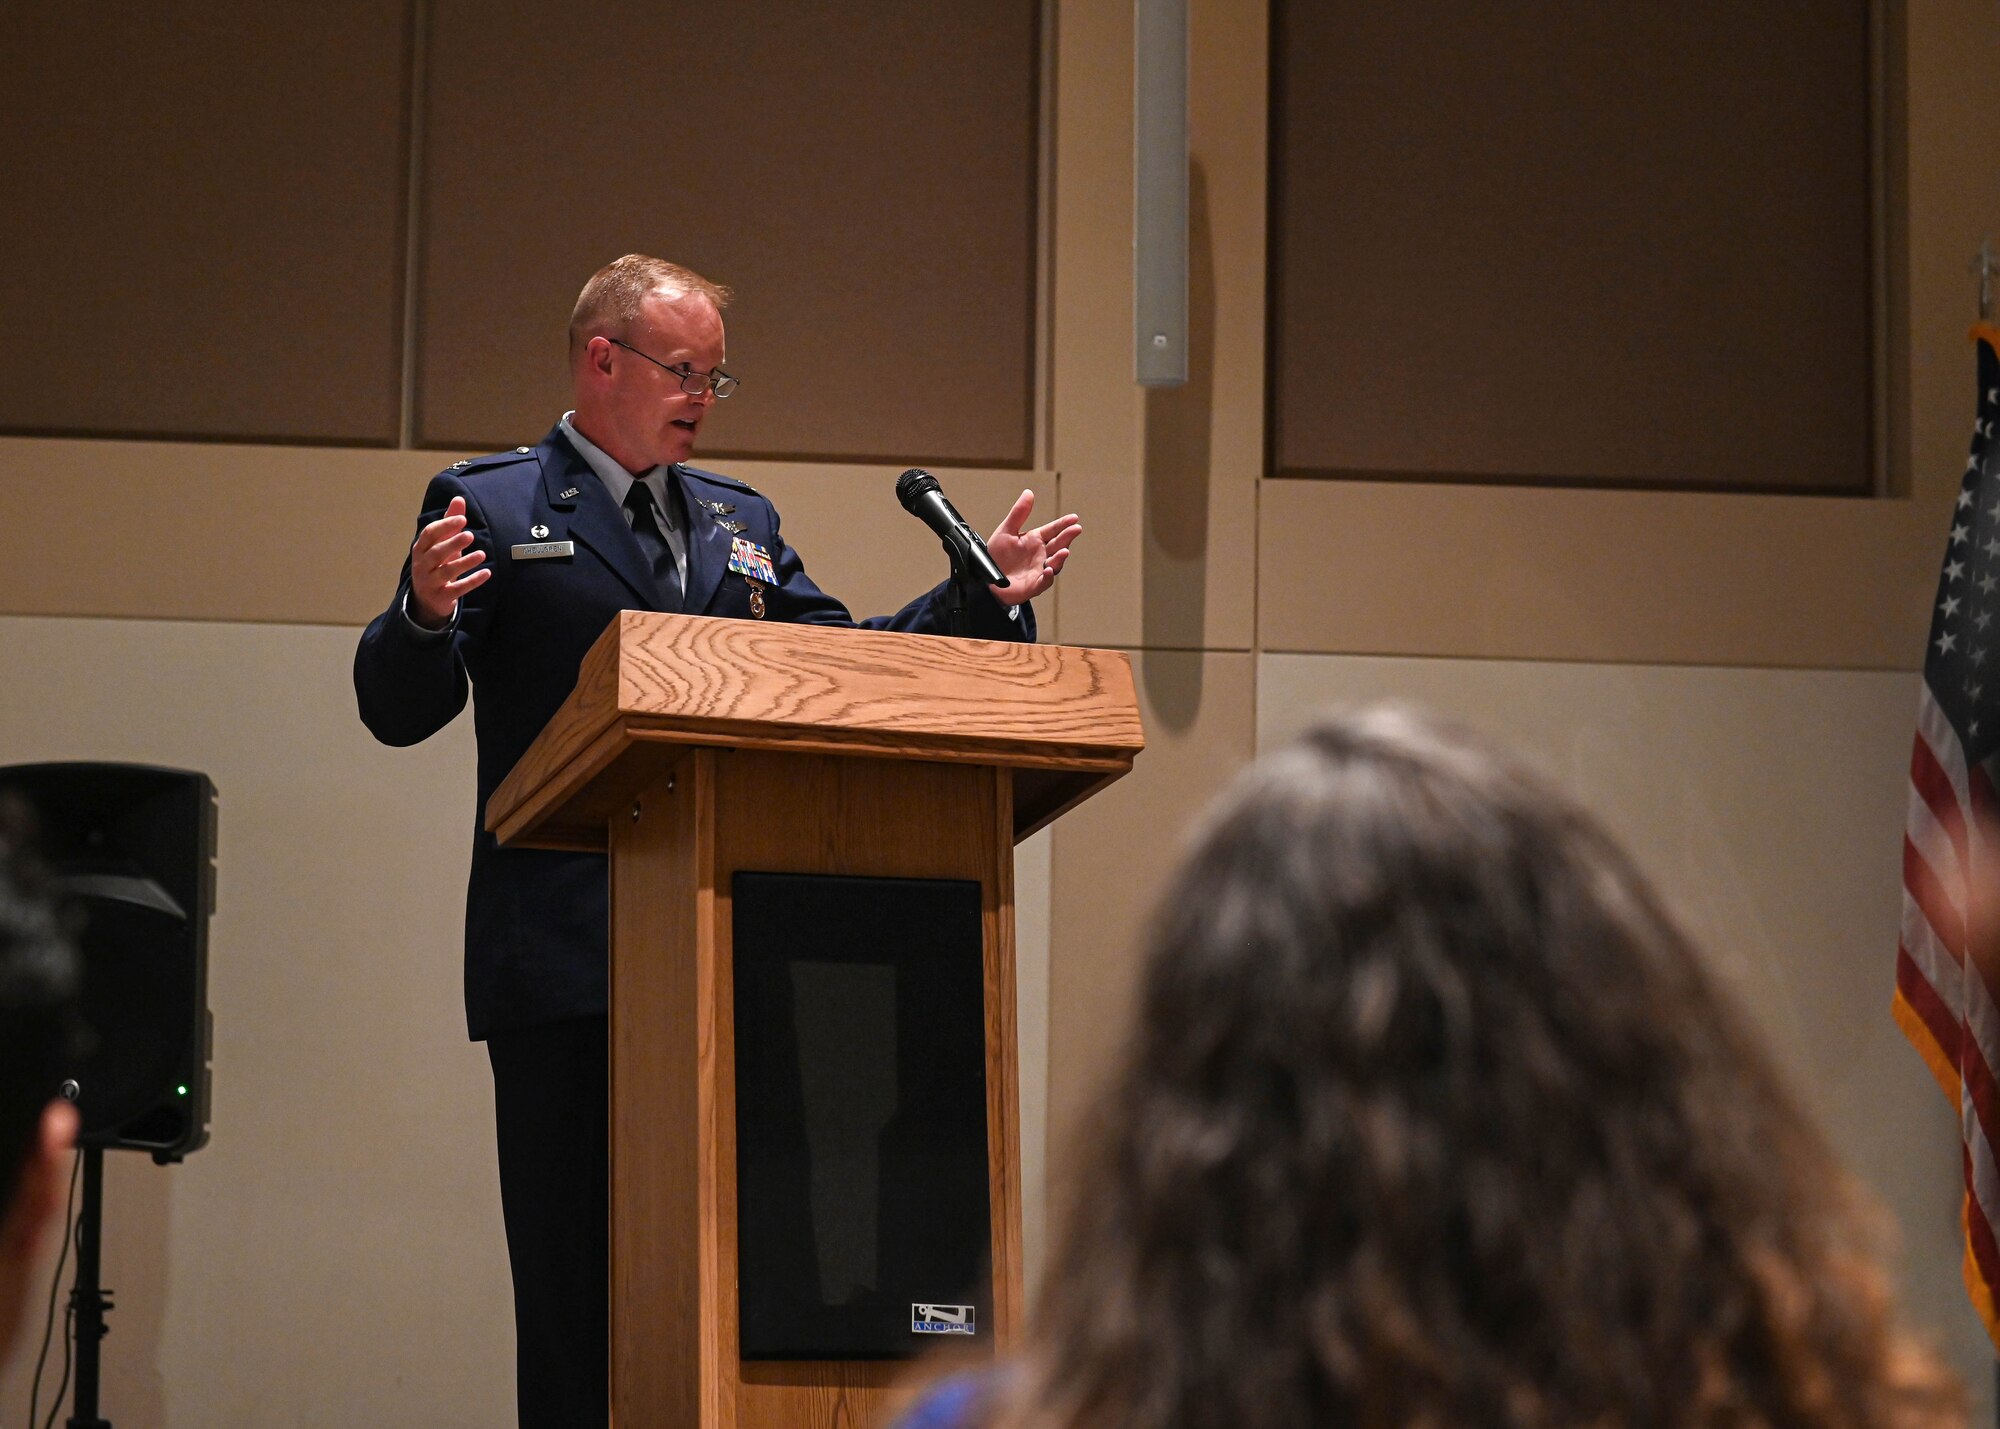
point(182, 1090)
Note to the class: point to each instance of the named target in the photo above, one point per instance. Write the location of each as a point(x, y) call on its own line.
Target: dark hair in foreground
point(38, 988)
point(1433, 1118)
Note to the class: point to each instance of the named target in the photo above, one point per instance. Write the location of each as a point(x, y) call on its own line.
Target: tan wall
point(1444, 309)
point(334, 1256)
point(199, 531)
point(1112, 855)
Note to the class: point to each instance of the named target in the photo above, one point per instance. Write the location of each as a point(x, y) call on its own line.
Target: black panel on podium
point(861, 1141)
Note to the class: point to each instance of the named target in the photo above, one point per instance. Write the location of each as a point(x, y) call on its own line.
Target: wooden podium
point(693, 748)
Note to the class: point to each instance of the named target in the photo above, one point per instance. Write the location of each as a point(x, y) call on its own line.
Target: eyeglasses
point(693, 383)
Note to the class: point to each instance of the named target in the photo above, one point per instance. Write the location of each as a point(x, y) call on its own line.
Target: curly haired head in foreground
point(1432, 1117)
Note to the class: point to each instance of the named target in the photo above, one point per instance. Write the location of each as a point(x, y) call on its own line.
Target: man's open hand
point(1030, 558)
point(442, 568)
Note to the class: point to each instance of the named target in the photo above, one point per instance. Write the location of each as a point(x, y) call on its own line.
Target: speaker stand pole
point(88, 1301)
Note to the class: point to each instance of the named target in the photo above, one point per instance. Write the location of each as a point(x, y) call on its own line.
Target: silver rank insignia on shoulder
point(717, 508)
point(734, 528)
point(538, 531)
point(544, 550)
point(567, 495)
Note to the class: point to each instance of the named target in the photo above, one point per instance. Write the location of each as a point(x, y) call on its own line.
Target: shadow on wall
point(1179, 422)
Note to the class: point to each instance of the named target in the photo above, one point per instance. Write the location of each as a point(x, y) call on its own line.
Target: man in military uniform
point(520, 561)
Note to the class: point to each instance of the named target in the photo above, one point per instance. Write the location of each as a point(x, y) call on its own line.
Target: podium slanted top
point(1064, 718)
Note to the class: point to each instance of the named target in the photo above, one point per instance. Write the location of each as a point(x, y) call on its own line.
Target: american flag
point(1948, 961)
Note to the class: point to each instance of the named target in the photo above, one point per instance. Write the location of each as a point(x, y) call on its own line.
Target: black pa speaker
point(132, 848)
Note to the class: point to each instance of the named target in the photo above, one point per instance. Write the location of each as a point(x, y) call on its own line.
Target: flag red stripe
point(1978, 929)
point(1933, 786)
point(1979, 1232)
point(1933, 901)
point(1977, 1079)
point(1929, 1006)
point(1943, 1072)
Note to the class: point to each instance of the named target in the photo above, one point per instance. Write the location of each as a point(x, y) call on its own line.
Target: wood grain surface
point(883, 819)
point(697, 680)
point(802, 676)
point(675, 1357)
point(665, 1262)
point(1003, 1073)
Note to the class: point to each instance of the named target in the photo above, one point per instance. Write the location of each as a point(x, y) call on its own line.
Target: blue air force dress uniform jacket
point(536, 922)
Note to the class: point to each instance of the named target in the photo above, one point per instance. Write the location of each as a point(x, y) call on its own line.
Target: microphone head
point(912, 484)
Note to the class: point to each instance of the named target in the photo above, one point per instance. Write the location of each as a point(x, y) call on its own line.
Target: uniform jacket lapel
point(596, 522)
point(708, 542)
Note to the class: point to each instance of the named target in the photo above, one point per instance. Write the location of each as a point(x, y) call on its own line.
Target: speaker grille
point(861, 1143)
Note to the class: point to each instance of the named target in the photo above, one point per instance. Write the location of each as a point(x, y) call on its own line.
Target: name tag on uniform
point(747, 558)
point(544, 550)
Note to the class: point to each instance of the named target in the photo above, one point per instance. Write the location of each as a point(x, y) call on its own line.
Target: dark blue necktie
point(653, 541)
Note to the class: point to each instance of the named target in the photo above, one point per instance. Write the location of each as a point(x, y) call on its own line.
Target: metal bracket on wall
point(1160, 193)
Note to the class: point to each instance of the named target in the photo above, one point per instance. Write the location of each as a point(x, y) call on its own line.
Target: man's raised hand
point(443, 567)
point(1030, 557)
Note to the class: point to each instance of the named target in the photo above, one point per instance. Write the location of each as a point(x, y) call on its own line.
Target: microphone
point(924, 499)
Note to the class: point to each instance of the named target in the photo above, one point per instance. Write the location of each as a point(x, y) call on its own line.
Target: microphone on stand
point(924, 499)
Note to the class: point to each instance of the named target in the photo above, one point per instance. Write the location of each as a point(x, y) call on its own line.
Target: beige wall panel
point(1096, 404)
point(1097, 412)
point(1954, 200)
point(209, 532)
point(1671, 577)
point(204, 220)
point(1768, 806)
point(865, 177)
point(335, 1256)
point(1112, 856)
point(1165, 477)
